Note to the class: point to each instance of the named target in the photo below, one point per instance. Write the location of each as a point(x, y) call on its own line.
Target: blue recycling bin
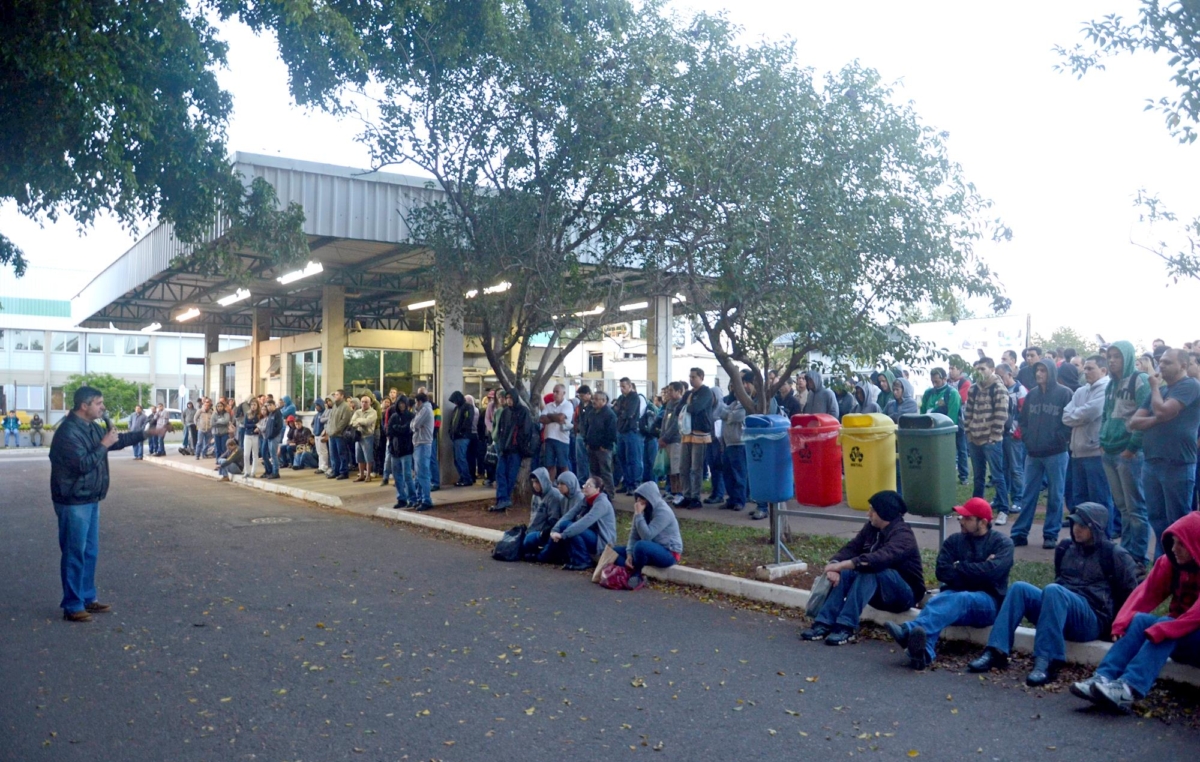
point(769, 458)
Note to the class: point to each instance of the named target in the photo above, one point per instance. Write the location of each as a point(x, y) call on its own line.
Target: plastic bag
point(509, 546)
point(662, 464)
point(614, 577)
point(818, 594)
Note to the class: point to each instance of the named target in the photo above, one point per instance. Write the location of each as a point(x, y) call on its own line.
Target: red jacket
point(1167, 578)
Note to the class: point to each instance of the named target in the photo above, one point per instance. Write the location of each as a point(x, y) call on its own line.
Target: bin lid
point(766, 422)
point(926, 421)
point(815, 423)
point(867, 421)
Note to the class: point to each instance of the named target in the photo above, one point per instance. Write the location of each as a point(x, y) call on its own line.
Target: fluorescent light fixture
point(499, 288)
point(422, 305)
point(634, 306)
point(312, 268)
point(185, 316)
point(152, 328)
point(237, 296)
point(472, 293)
point(599, 308)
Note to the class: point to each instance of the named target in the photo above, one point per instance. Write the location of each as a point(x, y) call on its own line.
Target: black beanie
point(888, 504)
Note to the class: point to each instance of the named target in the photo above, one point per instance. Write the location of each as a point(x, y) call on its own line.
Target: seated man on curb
point(303, 453)
point(568, 487)
point(545, 510)
point(1145, 641)
point(881, 566)
point(586, 528)
point(973, 568)
point(1092, 578)
point(654, 538)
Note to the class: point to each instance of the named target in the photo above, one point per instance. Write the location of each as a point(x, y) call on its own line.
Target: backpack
point(510, 544)
point(647, 423)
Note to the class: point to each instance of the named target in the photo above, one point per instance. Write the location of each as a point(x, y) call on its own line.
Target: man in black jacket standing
point(1046, 439)
point(600, 436)
point(78, 482)
point(973, 568)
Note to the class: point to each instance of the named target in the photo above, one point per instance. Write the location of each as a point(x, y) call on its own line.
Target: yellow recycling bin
point(868, 456)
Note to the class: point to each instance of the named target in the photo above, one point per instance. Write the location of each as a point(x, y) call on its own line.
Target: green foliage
point(120, 396)
point(1065, 337)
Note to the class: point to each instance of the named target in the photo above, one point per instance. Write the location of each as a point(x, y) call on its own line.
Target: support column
point(333, 338)
point(448, 379)
point(212, 345)
point(659, 344)
point(260, 331)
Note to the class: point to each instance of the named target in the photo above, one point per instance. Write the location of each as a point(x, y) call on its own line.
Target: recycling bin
point(816, 459)
point(928, 470)
point(868, 455)
point(768, 458)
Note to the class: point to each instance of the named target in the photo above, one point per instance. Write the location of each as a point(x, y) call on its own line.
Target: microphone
point(108, 424)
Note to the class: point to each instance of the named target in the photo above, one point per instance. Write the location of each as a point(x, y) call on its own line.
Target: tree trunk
point(522, 490)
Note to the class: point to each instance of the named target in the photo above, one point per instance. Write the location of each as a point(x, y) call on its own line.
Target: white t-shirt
point(557, 431)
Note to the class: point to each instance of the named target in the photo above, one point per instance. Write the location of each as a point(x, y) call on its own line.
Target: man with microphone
point(78, 482)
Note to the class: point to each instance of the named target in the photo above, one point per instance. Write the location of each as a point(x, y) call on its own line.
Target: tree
point(544, 145)
point(818, 214)
point(1065, 337)
point(120, 396)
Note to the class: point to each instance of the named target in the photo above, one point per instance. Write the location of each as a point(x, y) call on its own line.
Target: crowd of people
point(11, 425)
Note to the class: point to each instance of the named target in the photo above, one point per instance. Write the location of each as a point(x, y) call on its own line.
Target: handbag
point(613, 577)
point(608, 557)
point(490, 457)
point(818, 594)
point(509, 546)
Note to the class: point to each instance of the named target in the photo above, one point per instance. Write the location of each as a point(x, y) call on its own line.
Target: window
point(27, 341)
point(595, 362)
point(58, 400)
point(398, 371)
point(360, 370)
point(168, 398)
point(64, 342)
point(366, 370)
point(30, 398)
point(101, 344)
point(305, 378)
point(229, 380)
point(137, 345)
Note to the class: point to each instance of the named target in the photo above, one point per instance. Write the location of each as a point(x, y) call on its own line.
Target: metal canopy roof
point(355, 222)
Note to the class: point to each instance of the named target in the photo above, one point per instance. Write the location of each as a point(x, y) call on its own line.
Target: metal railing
point(779, 510)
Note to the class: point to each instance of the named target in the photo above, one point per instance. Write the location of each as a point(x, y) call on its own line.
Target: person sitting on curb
point(586, 528)
point(973, 567)
point(1145, 641)
point(572, 493)
point(1092, 579)
point(303, 453)
point(231, 461)
point(880, 566)
point(654, 537)
point(545, 510)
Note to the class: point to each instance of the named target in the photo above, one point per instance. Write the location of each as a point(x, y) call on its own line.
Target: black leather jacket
point(79, 463)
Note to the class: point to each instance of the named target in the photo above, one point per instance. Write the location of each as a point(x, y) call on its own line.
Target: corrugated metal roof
point(19, 305)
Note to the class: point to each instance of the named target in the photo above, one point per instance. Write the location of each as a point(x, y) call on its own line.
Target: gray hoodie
point(734, 417)
point(662, 528)
point(574, 496)
point(820, 399)
point(422, 425)
point(547, 508)
point(599, 517)
point(1083, 414)
point(907, 404)
point(866, 401)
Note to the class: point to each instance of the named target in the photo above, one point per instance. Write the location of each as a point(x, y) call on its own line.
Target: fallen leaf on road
point(811, 679)
point(531, 710)
point(914, 753)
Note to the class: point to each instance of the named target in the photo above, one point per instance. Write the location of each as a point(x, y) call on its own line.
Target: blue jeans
point(137, 449)
point(13, 437)
point(461, 448)
point(714, 455)
point(1054, 469)
point(735, 474)
point(1125, 485)
point(435, 465)
point(1090, 485)
point(273, 451)
point(402, 474)
point(1014, 469)
point(1168, 488)
point(507, 467)
point(304, 460)
point(79, 541)
point(582, 547)
point(203, 442)
point(1059, 614)
point(962, 458)
point(630, 449)
point(555, 455)
point(365, 448)
point(554, 552)
point(990, 457)
point(1137, 660)
point(885, 590)
point(219, 441)
point(338, 464)
point(423, 459)
point(949, 608)
point(649, 455)
point(533, 545)
point(646, 553)
point(582, 469)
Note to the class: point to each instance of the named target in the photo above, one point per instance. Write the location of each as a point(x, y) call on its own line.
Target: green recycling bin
point(928, 471)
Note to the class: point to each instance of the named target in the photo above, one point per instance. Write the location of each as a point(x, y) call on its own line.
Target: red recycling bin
point(816, 459)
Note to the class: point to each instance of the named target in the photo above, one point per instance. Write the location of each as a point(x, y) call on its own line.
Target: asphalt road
point(321, 635)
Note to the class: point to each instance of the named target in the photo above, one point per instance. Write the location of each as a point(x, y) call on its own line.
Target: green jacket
point(339, 418)
point(946, 401)
point(1121, 402)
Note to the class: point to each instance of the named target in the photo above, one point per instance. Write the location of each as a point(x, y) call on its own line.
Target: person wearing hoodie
point(273, 435)
point(545, 510)
point(788, 401)
point(844, 391)
point(820, 399)
point(462, 435)
point(1027, 373)
point(1083, 414)
point(1143, 640)
point(567, 485)
point(1169, 420)
point(1092, 579)
point(902, 402)
point(733, 418)
point(985, 416)
point(1128, 389)
point(1046, 438)
point(865, 395)
point(881, 566)
point(973, 567)
point(288, 407)
point(189, 426)
point(422, 438)
point(882, 381)
point(400, 450)
point(587, 527)
point(654, 537)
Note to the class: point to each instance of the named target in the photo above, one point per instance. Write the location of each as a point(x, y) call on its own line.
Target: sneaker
point(400, 505)
point(1116, 695)
point(677, 500)
point(1000, 520)
point(759, 515)
point(1018, 541)
point(425, 507)
point(842, 636)
point(576, 567)
point(737, 507)
point(713, 500)
point(898, 633)
point(498, 509)
point(918, 656)
point(817, 632)
point(1083, 688)
point(1049, 544)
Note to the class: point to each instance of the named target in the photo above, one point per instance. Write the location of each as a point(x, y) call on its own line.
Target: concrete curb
point(307, 495)
point(1089, 654)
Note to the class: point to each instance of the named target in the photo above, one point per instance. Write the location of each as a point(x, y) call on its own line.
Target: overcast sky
point(1061, 158)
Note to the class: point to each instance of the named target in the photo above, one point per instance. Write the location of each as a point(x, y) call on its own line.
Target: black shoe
point(737, 507)
point(400, 505)
point(576, 567)
point(988, 660)
point(695, 504)
point(841, 636)
point(342, 476)
point(425, 507)
point(713, 500)
point(435, 489)
point(1019, 541)
point(918, 657)
point(897, 632)
point(1044, 671)
point(759, 515)
point(1049, 544)
point(498, 509)
point(273, 476)
point(384, 483)
point(817, 632)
